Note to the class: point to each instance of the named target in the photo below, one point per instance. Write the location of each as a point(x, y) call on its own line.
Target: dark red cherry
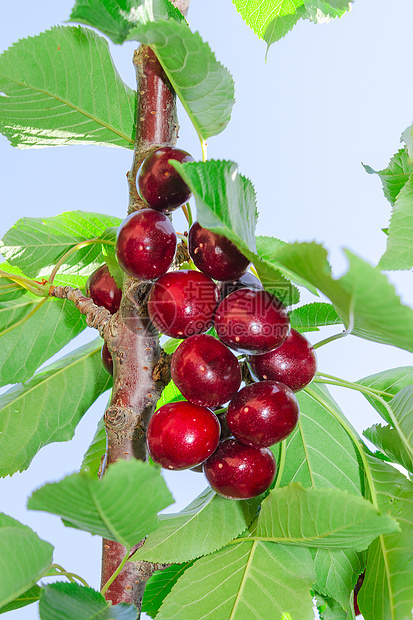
point(225, 432)
point(215, 255)
point(103, 290)
point(182, 435)
point(248, 280)
point(107, 360)
point(293, 363)
point(205, 371)
point(159, 184)
point(263, 413)
point(252, 321)
point(236, 471)
point(182, 303)
point(146, 244)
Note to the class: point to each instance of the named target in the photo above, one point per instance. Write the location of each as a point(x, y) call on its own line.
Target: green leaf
point(320, 452)
point(321, 11)
point(330, 609)
point(389, 569)
point(363, 297)
point(203, 85)
point(43, 103)
point(407, 137)
point(260, 14)
point(30, 596)
point(311, 317)
point(24, 559)
point(324, 518)
point(282, 24)
point(171, 394)
point(36, 244)
point(337, 573)
point(159, 586)
point(388, 441)
point(63, 601)
point(9, 290)
point(171, 345)
point(244, 580)
point(93, 505)
point(31, 331)
point(226, 204)
point(116, 18)
point(93, 456)
point(396, 175)
point(63, 279)
point(399, 250)
point(112, 264)
point(49, 406)
point(193, 531)
point(390, 381)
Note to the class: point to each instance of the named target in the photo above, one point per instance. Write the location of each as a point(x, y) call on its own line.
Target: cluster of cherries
point(232, 441)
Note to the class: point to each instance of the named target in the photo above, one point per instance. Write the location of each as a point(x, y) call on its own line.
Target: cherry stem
point(73, 250)
point(116, 573)
point(70, 576)
point(204, 150)
point(30, 285)
point(317, 345)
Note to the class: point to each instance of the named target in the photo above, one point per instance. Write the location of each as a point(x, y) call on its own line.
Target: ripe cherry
point(237, 471)
point(293, 363)
point(205, 371)
point(263, 413)
point(103, 290)
point(159, 184)
point(107, 360)
point(215, 255)
point(252, 321)
point(248, 280)
point(182, 435)
point(182, 303)
point(146, 244)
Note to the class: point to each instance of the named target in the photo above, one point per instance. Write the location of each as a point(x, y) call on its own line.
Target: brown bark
point(141, 370)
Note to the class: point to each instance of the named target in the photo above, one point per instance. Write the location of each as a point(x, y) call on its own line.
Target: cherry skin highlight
point(236, 471)
point(146, 244)
point(107, 360)
point(182, 435)
point(103, 290)
point(215, 255)
point(205, 371)
point(294, 363)
point(252, 321)
point(182, 303)
point(159, 184)
point(263, 413)
point(248, 280)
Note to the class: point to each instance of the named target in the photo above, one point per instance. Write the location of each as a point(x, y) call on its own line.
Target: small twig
point(96, 316)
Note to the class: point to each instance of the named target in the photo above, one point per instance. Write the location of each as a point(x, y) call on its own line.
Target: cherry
point(182, 303)
point(236, 471)
point(248, 280)
point(103, 290)
point(215, 255)
point(205, 371)
point(160, 185)
point(293, 363)
point(263, 413)
point(252, 321)
point(182, 435)
point(225, 432)
point(146, 244)
point(107, 360)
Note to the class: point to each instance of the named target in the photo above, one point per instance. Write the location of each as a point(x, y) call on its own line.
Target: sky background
point(328, 98)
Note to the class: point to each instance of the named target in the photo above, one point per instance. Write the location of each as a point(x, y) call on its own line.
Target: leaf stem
point(351, 385)
point(72, 250)
point(355, 440)
point(204, 150)
point(30, 285)
point(116, 573)
point(25, 318)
